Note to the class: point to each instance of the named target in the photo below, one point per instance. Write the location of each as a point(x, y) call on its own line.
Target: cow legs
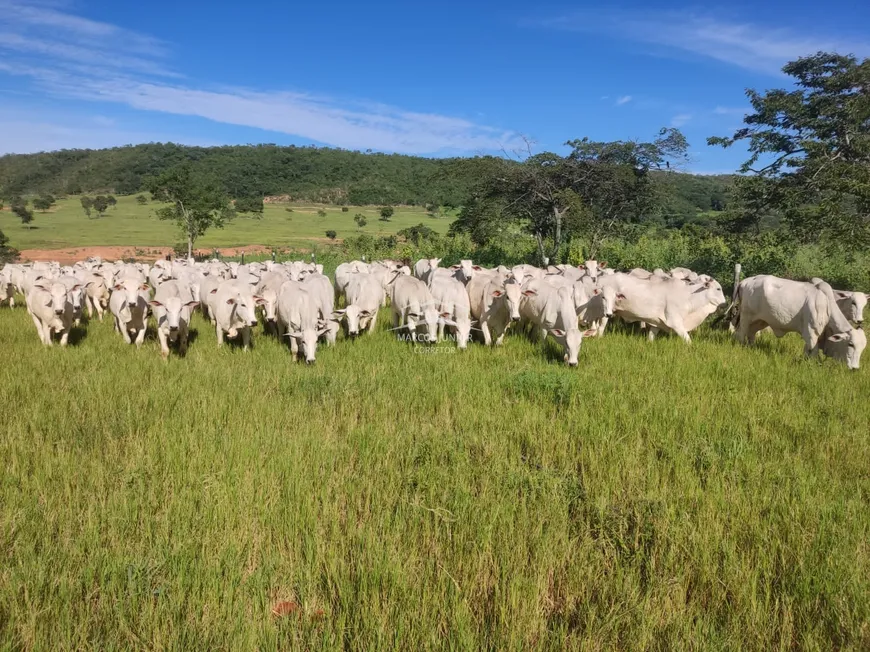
point(125, 333)
point(484, 328)
point(164, 346)
point(140, 336)
point(246, 337)
point(39, 328)
point(811, 343)
point(220, 335)
point(64, 337)
point(651, 333)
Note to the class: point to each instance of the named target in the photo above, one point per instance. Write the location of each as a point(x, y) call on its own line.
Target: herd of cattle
point(428, 303)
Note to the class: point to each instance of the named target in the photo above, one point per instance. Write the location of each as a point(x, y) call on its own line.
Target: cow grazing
point(794, 307)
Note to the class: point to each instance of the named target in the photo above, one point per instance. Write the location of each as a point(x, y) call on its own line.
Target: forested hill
point(305, 173)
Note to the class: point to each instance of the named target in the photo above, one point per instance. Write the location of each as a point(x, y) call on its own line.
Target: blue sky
point(440, 78)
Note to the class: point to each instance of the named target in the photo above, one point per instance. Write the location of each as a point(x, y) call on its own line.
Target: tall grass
point(659, 496)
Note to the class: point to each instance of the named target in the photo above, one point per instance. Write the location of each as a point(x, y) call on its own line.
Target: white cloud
point(680, 119)
point(72, 57)
point(747, 45)
point(625, 99)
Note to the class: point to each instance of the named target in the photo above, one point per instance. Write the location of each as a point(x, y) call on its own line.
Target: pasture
point(130, 224)
point(658, 496)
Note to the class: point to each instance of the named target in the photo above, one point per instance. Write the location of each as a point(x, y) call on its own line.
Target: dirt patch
point(70, 255)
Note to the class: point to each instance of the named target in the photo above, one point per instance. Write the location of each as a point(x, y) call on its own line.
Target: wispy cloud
point(625, 99)
point(680, 119)
point(73, 57)
point(748, 45)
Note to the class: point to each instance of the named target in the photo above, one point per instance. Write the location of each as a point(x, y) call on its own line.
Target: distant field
point(131, 224)
point(659, 496)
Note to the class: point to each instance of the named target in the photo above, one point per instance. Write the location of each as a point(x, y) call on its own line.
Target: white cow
point(129, 305)
point(852, 305)
point(74, 295)
point(423, 268)
point(453, 306)
point(49, 306)
point(96, 294)
point(465, 271)
point(234, 307)
point(298, 320)
point(269, 289)
point(795, 307)
point(172, 303)
point(321, 291)
point(364, 296)
point(497, 306)
point(666, 304)
point(551, 311)
point(413, 307)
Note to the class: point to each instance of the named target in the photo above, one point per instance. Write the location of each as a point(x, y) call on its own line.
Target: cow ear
point(602, 264)
point(497, 293)
point(456, 267)
point(840, 294)
point(213, 291)
point(620, 296)
point(144, 286)
point(259, 300)
point(530, 293)
point(191, 304)
point(338, 314)
point(838, 337)
point(230, 301)
point(596, 292)
point(558, 332)
point(118, 287)
point(446, 315)
point(476, 268)
point(365, 313)
point(155, 304)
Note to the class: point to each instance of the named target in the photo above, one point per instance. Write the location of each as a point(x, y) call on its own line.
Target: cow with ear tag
point(129, 306)
point(298, 319)
point(51, 310)
point(172, 305)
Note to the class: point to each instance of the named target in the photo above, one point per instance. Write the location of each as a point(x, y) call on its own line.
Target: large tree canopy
point(810, 152)
point(591, 192)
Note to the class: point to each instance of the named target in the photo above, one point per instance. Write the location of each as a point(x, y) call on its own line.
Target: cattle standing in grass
point(129, 305)
point(321, 291)
point(552, 311)
point(794, 307)
point(365, 295)
point(172, 305)
point(497, 307)
point(49, 306)
point(452, 304)
point(414, 307)
point(234, 306)
point(298, 319)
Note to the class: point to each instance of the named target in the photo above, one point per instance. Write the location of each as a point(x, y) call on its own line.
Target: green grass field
point(660, 496)
point(131, 224)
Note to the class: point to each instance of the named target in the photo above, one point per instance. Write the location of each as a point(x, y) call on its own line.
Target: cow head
point(854, 304)
point(846, 347)
point(356, 318)
point(513, 296)
point(465, 270)
point(57, 296)
point(268, 299)
point(130, 288)
point(175, 310)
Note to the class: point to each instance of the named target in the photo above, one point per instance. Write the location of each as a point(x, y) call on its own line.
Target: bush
point(321, 213)
point(344, 209)
point(331, 234)
point(141, 200)
point(386, 213)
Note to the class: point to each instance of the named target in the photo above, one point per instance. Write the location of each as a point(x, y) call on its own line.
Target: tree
point(197, 203)
point(360, 220)
point(386, 213)
point(7, 253)
point(592, 192)
point(344, 209)
point(331, 234)
point(42, 204)
point(141, 200)
point(809, 153)
point(100, 203)
point(26, 216)
point(87, 205)
point(111, 201)
point(253, 205)
point(321, 213)
point(417, 234)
